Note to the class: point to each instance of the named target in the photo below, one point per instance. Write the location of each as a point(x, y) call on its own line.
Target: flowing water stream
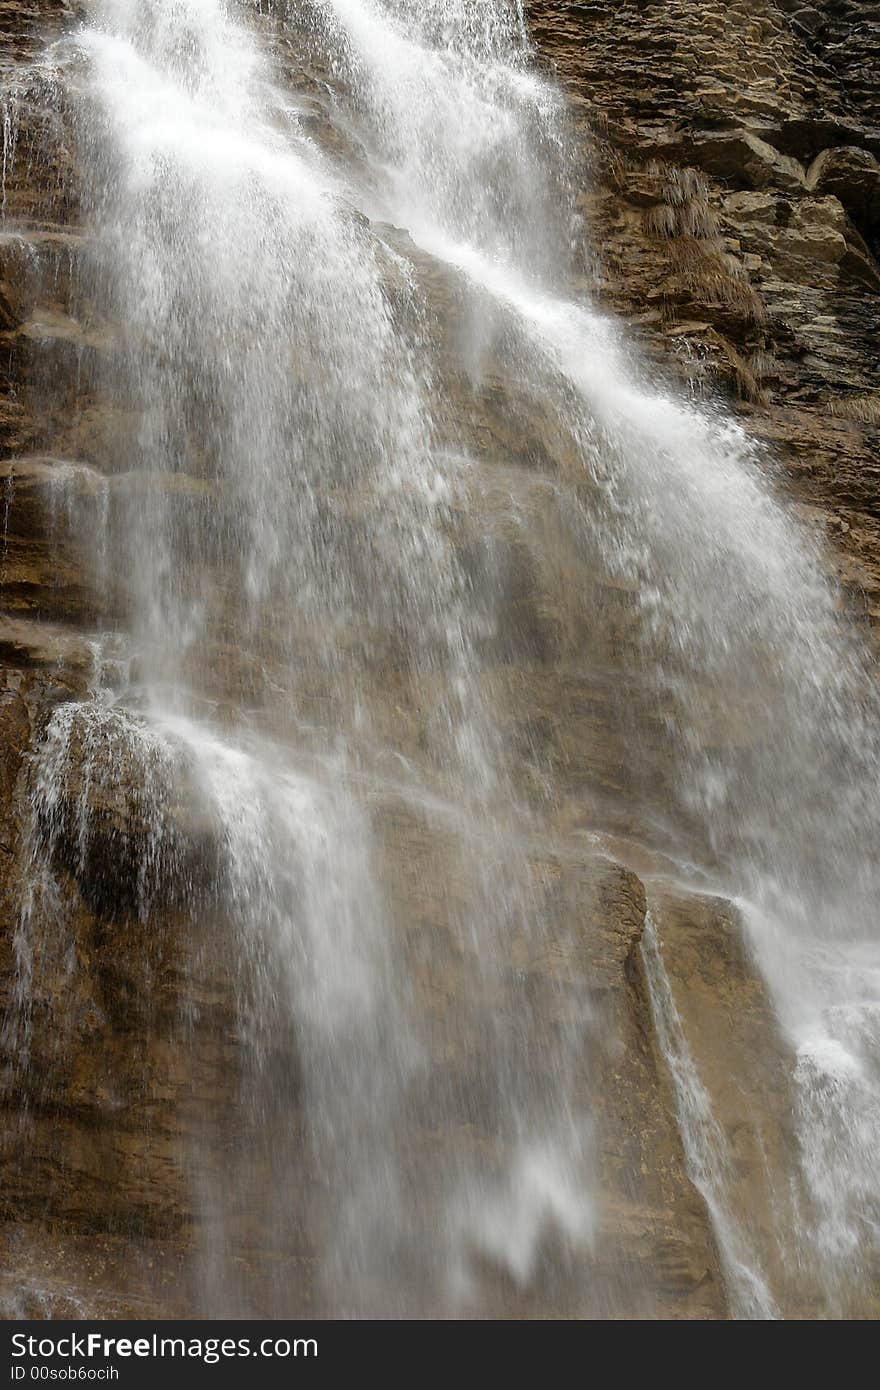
point(279, 196)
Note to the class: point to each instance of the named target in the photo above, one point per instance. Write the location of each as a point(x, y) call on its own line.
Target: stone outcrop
point(733, 195)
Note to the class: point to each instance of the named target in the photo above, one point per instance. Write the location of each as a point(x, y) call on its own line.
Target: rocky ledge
point(734, 196)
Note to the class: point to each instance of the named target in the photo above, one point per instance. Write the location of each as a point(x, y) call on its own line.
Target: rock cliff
point(734, 195)
point(731, 196)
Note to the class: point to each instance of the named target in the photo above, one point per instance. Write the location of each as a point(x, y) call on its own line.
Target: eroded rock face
point(734, 204)
point(733, 200)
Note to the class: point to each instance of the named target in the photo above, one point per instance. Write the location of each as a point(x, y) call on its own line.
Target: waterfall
point(704, 1141)
point(296, 740)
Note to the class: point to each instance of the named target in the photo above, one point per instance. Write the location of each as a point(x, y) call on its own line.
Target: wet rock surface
point(732, 193)
point(733, 198)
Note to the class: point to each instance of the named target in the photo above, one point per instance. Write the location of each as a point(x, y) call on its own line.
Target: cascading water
point(306, 701)
point(290, 491)
point(705, 1144)
point(735, 613)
